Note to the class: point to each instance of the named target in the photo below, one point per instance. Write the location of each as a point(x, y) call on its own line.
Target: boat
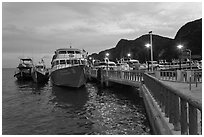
point(69, 67)
point(40, 73)
point(133, 63)
point(106, 64)
point(24, 69)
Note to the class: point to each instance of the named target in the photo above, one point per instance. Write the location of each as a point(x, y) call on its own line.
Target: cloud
point(43, 27)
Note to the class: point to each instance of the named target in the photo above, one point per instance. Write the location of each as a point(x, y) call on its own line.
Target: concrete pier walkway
point(184, 88)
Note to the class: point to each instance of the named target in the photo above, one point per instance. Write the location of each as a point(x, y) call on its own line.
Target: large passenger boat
point(24, 69)
point(68, 67)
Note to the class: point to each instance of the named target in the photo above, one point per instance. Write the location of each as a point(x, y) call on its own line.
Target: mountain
point(190, 35)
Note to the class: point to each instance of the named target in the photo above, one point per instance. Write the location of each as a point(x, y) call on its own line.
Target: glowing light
point(180, 46)
point(148, 45)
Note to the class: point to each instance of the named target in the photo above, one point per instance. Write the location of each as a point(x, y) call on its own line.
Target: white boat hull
point(73, 76)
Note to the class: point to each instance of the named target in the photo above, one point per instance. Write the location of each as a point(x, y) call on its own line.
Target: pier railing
point(183, 111)
point(132, 75)
point(93, 73)
point(180, 75)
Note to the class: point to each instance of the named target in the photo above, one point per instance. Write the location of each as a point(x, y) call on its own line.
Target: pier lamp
point(150, 45)
point(180, 48)
point(147, 46)
point(190, 52)
point(107, 55)
point(128, 55)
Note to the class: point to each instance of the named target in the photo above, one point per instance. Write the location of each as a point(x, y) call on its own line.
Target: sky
point(37, 29)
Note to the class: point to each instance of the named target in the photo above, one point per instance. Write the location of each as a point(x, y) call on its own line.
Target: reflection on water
point(30, 86)
point(70, 96)
point(115, 112)
point(43, 109)
point(71, 102)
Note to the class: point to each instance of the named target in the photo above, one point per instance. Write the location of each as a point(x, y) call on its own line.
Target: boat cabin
point(69, 53)
point(68, 62)
point(25, 63)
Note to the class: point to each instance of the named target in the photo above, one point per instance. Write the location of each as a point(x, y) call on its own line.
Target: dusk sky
point(38, 29)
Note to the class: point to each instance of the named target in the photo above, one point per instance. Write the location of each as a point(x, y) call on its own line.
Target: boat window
point(57, 62)
point(62, 52)
point(77, 52)
point(111, 64)
point(70, 52)
point(75, 61)
point(79, 61)
point(102, 64)
point(62, 62)
point(69, 62)
point(83, 62)
point(26, 62)
point(40, 67)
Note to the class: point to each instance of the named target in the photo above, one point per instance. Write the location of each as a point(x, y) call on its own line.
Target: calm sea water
point(31, 109)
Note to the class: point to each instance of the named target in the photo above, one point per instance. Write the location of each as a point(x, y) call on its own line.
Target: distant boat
point(68, 67)
point(106, 64)
point(24, 69)
point(40, 73)
point(133, 63)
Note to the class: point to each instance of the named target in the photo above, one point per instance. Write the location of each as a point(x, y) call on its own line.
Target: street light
point(180, 48)
point(190, 57)
point(147, 46)
point(190, 67)
point(128, 55)
point(107, 55)
point(150, 45)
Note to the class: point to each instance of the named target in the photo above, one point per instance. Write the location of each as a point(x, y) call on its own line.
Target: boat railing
point(183, 111)
point(69, 56)
point(60, 66)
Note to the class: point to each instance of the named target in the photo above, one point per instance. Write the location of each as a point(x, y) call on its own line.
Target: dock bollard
point(100, 76)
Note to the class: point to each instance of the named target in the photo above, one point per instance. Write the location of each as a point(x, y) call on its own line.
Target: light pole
point(107, 55)
point(150, 34)
point(190, 68)
point(90, 60)
point(180, 48)
point(190, 57)
point(148, 46)
point(128, 55)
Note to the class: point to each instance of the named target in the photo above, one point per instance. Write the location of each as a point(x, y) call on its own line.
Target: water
point(31, 109)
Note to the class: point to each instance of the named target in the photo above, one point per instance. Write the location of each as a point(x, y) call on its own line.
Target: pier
point(173, 99)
